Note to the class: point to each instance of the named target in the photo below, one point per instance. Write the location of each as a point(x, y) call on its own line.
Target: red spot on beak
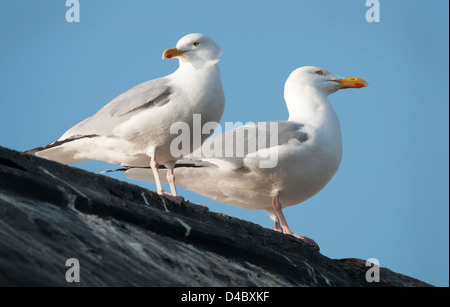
point(359, 85)
point(169, 56)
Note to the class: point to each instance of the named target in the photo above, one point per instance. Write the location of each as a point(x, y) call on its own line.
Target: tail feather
point(34, 150)
point(54, 151)
point(59, 143)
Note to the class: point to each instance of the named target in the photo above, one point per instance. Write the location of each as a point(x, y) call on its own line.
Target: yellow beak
point(352, 83)
point(172, 53)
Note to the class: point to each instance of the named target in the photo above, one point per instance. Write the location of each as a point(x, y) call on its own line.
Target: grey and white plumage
point(308, 150)
point(134, 128)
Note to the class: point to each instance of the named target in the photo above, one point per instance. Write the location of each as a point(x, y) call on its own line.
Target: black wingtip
point(58, 143)
point(34, 150)
point(124, 169)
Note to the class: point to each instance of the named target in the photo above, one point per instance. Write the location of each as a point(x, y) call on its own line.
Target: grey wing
point(153, 93)
point(234, 145)
point(148, 94)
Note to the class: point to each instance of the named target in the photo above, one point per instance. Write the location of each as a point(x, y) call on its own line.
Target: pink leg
point(277, 226)
point(173, 187)
point(171, 180)
point(155, 166)
point(159, 189)
point(276, 204)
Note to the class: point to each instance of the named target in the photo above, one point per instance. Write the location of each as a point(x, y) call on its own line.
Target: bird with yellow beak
point(306, 151)
point(136, 127)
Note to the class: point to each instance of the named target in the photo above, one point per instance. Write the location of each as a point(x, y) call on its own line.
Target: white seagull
point(134, 128)
point(307, 147)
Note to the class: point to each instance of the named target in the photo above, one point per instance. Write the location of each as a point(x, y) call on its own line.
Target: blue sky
point(390, 197)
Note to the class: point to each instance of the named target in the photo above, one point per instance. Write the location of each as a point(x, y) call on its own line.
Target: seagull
point(134, 128)
point(307, 150)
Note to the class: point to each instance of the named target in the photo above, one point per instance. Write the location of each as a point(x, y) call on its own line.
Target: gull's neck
point(306, 104)
point(310, 106)
point(199, 83)
point(197, 64)
point(204, 72)
point(198, 74)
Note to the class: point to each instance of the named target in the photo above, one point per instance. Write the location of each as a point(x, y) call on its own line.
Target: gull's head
point(194, 47)
point(321, 80)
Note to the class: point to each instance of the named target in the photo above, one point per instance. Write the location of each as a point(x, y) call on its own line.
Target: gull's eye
point(319, 73)
point(196, 44)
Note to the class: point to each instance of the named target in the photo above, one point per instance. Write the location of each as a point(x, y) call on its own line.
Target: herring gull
point(307, 148)
point(134, 128)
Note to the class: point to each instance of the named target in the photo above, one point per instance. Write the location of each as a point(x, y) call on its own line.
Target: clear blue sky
point(390, 197)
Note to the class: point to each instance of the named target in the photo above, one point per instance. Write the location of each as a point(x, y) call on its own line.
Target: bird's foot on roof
point(176, 199)
point(307, 240)
point(200, 205)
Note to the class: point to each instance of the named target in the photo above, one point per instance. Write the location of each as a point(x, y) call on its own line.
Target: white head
point(195, 47)
point(307, 88)
point(320, 80)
